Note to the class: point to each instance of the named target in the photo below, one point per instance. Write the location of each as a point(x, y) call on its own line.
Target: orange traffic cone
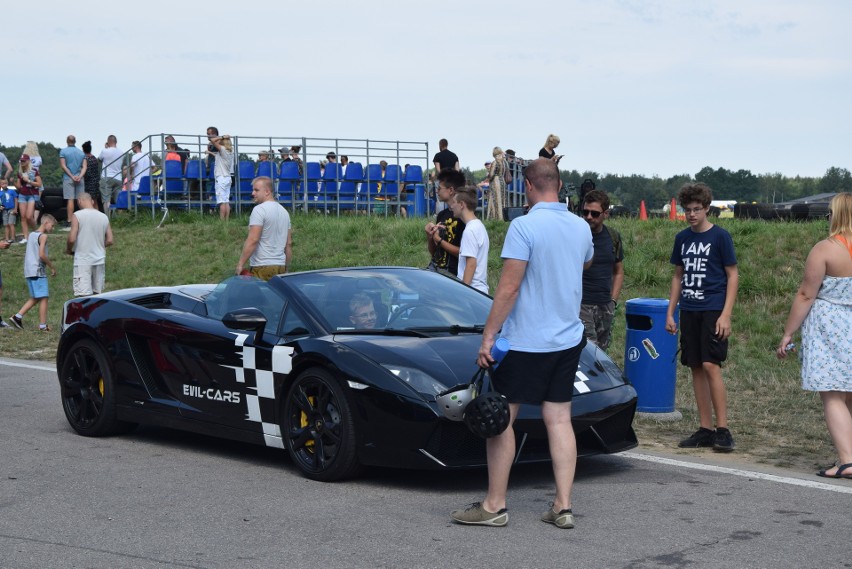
point(673, 210)
point(643, 213)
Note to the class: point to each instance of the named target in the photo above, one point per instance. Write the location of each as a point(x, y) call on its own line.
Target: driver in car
point(362, 313)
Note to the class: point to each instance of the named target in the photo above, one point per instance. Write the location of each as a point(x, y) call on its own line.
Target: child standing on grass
point(8, 205)
point(705, 282)
point(35, 260)
point(473, 251)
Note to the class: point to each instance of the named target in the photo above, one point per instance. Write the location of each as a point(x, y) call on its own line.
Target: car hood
point(449, 359)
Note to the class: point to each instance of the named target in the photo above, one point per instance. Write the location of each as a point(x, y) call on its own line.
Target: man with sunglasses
point(603, 280)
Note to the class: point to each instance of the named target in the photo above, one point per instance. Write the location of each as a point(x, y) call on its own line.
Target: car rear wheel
point(88, 391)
point(318, 427)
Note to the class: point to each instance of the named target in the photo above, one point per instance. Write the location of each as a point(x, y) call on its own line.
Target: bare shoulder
point(826, 246)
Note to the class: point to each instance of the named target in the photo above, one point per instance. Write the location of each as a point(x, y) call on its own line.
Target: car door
point(232, 372)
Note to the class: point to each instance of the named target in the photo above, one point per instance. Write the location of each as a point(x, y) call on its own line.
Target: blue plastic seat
point(330, 177)
point(144, 197)
point(290, 183)
point(372, 183)
point(121, 200)
point(392, 179)
point(194, 177)
point(314, 174)
point(348, 194)
point(193, 170)
point(268, 169)
point(246, 175)
point(413, 175)
point(173, 177)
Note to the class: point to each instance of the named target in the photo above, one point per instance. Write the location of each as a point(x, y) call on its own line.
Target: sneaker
point(563, 519)
point(476, 515)
point(3, 324)
point(22, 241)
point(44, 328)
point(723, 441)
point(18, 322)
point(700, 438)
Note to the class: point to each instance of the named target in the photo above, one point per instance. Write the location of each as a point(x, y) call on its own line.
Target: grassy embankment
point(772, 419)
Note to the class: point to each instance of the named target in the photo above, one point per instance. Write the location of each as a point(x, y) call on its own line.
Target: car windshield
point(392, 299)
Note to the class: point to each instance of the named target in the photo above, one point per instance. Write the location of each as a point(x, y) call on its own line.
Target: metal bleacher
point(317, 186)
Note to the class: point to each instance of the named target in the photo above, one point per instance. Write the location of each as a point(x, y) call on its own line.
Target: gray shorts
point(72, 189)
point(88, 279)
point(109, 187)
point(9, 217)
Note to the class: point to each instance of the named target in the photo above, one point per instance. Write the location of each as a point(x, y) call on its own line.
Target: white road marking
point(737, 472)
point(28, 366)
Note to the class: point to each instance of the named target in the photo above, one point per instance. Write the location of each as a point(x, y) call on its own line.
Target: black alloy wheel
point(318, 427)
point(87, 390)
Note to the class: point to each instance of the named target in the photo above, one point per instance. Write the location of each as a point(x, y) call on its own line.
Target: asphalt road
point(160, 498)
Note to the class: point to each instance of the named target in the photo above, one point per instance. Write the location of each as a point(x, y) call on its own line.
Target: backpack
point(617, 250)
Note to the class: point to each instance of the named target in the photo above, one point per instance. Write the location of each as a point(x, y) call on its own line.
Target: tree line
point(740, 185)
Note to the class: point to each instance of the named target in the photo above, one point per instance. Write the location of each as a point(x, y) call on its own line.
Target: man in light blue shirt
point(73, 164)
point(537, 305)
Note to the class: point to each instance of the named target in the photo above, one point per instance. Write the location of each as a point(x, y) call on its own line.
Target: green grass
point(773, 420)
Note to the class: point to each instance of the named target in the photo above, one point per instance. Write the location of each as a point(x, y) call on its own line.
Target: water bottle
point(499, 350)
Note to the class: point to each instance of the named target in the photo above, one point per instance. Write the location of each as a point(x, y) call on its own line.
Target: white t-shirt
point(140, 166)
point(474, 244)
point(111, 160)
point(275, 223)
point(224, 164)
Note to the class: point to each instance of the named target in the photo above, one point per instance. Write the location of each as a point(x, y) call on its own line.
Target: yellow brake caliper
point(303, 422)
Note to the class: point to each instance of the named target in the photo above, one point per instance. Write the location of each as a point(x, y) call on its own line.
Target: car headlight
point(420, 381)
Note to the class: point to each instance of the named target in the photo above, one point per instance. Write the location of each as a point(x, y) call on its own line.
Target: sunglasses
point(594, 214)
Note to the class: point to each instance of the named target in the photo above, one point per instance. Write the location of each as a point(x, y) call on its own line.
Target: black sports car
point(341, 367)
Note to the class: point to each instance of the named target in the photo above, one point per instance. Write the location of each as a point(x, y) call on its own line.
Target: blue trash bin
point(649, 354)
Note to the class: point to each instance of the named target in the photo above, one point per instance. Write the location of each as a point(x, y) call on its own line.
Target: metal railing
point(194, 189)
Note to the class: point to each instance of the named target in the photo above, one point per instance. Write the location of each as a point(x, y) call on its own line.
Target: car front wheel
point(88, 391)
point(318, 427)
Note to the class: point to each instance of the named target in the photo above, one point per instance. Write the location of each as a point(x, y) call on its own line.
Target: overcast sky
point(644, 87)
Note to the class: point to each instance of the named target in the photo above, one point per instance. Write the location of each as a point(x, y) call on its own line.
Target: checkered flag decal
point(258, 374)
point(580, 380)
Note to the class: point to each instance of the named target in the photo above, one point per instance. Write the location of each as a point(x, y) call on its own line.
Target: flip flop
point(839, 473)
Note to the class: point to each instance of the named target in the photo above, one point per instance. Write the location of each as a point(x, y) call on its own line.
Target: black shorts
point(532, 377)
point(698, 341)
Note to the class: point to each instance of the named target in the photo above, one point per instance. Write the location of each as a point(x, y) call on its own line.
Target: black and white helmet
point(487, 415)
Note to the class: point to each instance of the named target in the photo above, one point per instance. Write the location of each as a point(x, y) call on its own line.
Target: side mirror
point(246, 319)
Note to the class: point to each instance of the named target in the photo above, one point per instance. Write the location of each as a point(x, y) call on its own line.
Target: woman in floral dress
point(823, 309)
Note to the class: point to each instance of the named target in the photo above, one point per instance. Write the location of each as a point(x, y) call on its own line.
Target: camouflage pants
point(597, 321)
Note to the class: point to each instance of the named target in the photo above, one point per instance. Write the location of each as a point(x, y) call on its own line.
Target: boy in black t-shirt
point(443, 237)
point(705, 282)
